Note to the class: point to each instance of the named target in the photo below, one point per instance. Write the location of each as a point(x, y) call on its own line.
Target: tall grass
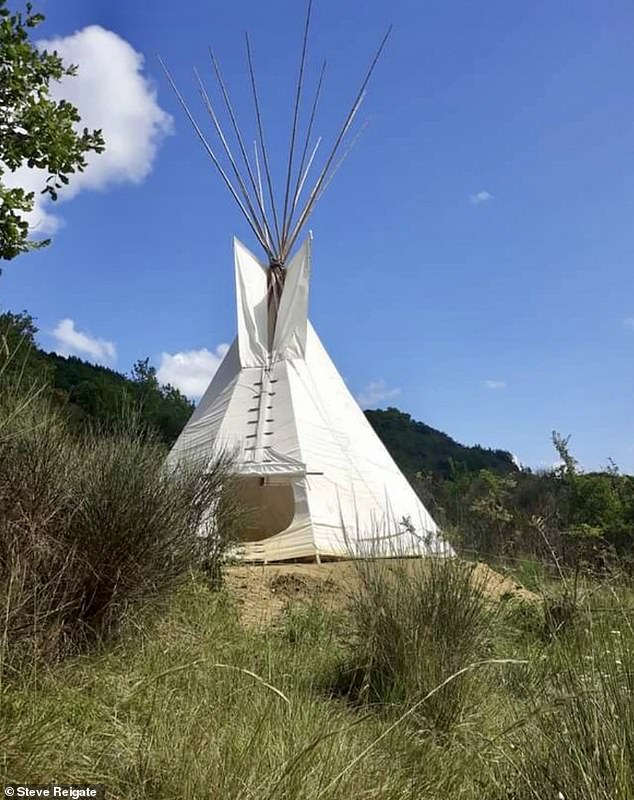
point(206, 708)
point(577, 739)
point(202, 708)
point(417, 622)
point(199, 706)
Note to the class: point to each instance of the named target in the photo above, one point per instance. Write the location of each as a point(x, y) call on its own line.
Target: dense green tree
point(20, 359)
point(35, 130)
point(585, 518)
point(164, 407)
point(596, 504)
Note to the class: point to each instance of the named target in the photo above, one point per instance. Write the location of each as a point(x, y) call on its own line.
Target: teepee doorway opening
point(270, 505)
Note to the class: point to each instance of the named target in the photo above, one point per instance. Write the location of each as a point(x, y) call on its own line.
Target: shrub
point(92, 528)
point(417, 622)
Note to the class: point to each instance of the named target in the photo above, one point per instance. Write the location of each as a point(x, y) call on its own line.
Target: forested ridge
point(417, 447)
point(94, 393)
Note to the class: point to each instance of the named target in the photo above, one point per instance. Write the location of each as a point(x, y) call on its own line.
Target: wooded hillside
point(93, 393)
point(417, 447)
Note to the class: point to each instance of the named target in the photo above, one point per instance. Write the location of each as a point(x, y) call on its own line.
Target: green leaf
point(36, 130)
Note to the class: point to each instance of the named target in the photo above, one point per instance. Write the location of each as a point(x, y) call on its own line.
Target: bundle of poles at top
point(276, 232)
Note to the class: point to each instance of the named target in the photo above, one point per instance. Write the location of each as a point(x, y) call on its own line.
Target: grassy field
point(122, 663)
point(423, 687)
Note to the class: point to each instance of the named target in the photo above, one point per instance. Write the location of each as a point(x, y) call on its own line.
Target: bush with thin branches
point(93, 527)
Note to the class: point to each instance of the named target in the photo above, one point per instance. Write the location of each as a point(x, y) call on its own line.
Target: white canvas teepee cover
point(317, 477)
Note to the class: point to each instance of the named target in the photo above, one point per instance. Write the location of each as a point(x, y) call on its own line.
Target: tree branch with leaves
point(36, 131)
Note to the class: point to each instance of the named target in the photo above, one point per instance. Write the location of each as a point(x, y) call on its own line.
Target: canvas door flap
point(251, 299)
point(273, 463)
point(292, 318)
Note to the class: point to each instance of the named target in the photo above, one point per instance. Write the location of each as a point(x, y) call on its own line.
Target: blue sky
point(472, 258)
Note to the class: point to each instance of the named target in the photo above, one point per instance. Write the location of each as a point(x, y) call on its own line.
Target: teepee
point(315, 477)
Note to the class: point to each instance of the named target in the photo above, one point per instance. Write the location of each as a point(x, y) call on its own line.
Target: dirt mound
point(501, 587)
point(263, 592)
point(292, 585)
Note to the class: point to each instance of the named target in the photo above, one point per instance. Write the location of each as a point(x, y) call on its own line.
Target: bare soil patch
point(264, 591)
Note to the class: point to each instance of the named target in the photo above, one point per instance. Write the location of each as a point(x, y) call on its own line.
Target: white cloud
point(495, 384)
point(375, 393)
point(628, 322)
point(480, 197)
point(191, 370)
point(111, 93)
point(549, 466)
point(70, 341)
